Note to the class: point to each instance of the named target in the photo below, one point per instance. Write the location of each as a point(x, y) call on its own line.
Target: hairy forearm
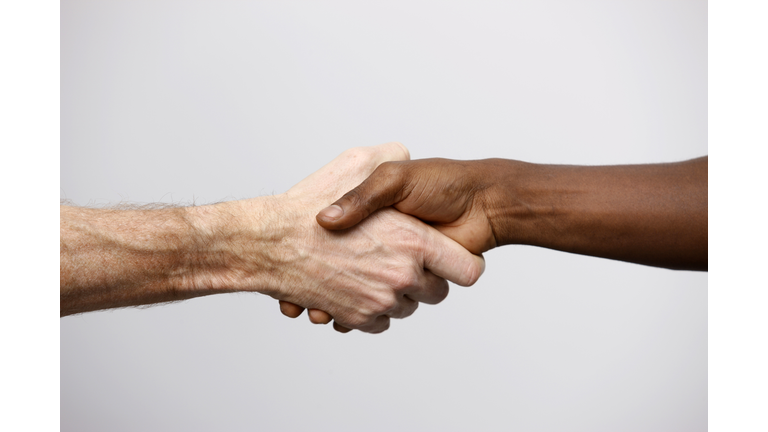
point(116, 258)
point(649, 214)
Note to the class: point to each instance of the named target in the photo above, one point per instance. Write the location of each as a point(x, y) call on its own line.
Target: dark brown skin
point(653, 214)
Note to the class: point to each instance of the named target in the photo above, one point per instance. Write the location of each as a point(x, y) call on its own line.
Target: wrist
point(516, 200)
point(541, 205)
point(236, 246)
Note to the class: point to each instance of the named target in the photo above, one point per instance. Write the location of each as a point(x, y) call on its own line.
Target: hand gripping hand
point(380, 269)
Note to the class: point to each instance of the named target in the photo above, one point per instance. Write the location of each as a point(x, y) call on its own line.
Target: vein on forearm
point(115, 258)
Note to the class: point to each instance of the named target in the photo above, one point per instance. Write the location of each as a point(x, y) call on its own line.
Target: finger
point(449, 260)
point(391, 151)
point(385, 187)
point(290, 310)
point(406, 306)
point(340, 328)
point(319, 317)
point(431, 289)
point(477, 243)
point(379, 325)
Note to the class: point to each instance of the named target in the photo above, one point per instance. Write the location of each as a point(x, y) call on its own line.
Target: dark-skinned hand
point(453, 196)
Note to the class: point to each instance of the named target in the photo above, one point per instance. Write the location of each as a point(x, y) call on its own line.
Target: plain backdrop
point(203, 101)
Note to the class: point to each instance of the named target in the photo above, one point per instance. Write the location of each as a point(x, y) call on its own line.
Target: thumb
point(385, 187)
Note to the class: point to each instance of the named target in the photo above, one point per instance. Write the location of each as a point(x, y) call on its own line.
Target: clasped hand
point(379, 269)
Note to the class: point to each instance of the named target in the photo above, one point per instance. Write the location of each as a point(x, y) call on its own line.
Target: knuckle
point(471, 274)
point(403, 279)
point(394, 150)
point(357, 321)
point(411, 310)
point(380, 327)
point(340, 328)
point(405, 311)
point(384, 304)
point(441, 293)
point(435, 293)
point(405, 153)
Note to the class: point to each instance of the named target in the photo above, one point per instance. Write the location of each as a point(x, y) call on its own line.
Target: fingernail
point(332, 213)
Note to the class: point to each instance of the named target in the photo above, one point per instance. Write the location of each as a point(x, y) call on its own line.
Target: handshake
point(372, 234)
point(360, 262)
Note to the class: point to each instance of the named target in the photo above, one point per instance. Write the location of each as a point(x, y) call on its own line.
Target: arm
point(117, 258)
point(652, 214)
point(271, 245)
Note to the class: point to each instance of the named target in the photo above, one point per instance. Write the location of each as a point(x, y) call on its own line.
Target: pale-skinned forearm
point(116, 258)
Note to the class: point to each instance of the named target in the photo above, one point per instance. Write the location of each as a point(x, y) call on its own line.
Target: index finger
point(449, 260)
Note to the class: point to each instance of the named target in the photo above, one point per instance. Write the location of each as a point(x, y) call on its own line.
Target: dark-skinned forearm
point(652, 214)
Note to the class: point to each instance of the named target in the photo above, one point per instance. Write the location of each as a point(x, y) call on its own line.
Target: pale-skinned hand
point(380, 269)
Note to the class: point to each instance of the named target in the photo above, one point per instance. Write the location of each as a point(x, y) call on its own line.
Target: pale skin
point(654, 214)
point(362, 277)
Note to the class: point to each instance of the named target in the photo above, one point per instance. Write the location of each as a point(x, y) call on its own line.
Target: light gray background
point(178, 101)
